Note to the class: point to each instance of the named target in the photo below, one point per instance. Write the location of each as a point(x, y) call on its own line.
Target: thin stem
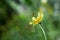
point(43, 31)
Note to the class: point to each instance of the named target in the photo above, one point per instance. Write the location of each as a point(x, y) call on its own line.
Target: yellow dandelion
point(38, 19)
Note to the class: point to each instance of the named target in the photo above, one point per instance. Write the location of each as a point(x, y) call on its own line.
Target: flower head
point(38, 19)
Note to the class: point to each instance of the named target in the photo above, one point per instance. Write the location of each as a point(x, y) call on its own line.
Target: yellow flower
point(38, 19)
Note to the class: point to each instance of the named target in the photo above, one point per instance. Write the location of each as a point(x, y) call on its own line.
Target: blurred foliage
point(16, 14)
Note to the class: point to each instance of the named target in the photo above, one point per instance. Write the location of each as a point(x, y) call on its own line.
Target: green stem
point(43, 31)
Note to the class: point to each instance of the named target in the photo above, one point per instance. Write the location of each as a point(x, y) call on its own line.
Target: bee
point(38, 19)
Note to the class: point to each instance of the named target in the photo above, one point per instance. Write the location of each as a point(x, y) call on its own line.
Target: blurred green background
point(15, 16)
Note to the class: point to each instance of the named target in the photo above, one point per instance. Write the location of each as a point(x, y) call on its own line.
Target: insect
point(38, 19)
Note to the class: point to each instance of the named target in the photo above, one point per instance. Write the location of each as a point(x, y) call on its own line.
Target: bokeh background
point(16, 14)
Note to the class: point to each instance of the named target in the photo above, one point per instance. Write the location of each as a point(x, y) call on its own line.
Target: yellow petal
point(33, 18)
point(30, 23)
point(39, 14)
